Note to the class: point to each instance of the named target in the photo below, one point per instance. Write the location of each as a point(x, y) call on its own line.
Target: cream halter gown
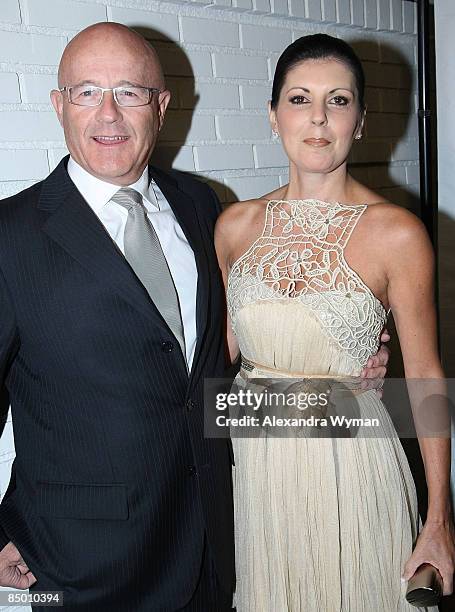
point(321, 524)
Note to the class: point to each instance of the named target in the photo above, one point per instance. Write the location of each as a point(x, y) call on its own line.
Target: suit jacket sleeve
point(8, 346)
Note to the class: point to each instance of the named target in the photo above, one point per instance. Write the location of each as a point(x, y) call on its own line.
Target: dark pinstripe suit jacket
point(113, 484)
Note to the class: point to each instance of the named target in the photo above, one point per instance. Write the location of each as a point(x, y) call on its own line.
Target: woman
point(311, 269)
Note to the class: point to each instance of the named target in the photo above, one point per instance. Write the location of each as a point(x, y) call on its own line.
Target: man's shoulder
point(21, 202)
point(196, 187)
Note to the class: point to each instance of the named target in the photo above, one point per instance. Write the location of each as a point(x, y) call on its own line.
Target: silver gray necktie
point(144, 254)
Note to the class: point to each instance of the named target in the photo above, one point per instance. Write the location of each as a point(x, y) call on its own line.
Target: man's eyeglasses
point(90, 95)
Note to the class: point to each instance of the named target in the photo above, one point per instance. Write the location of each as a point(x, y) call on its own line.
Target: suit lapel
point(76, 228)
point(187, 215)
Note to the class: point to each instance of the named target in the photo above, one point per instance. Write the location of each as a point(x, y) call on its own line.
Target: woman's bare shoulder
point(241, 215)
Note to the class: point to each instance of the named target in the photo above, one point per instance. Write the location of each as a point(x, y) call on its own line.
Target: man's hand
point(376, 367)
point(13, 569)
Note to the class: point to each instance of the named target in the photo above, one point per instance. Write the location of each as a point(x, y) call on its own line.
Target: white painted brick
point(343, 11)
point(371, 14)
point(255, 96)
point(173, 86)
point(235, 66)
point(396, 15)
point(249, 187)
point(394, 52)
point(267, 39)
point(387, 75)
point(9, 88)
point(246, 5)
point(409, 9)
point(270, 156)
point(272, 62)
point(36, 87)
point(27, 125)
point(314, 10)
point(31, 48)
point(177, 124)
point(222, 2)
point(180, 158)
point(210, 32)
point(373, 99)
point(224, 157)
point(329, 10)
point(381, 125)
point(200, 63)
point(396, 101)
point(360, 173)
point(157, 25)
point(262, 6)
point(23, 165)
point(405, 150)
point(412, 175)
point(55, 156)
point(248, 128)
point(412, 128)
point(297, 8)
point(175, 62)
point(10, 11)
point(368, 152)
point(63, 13)
point(383, 14)
point(366, 48)
point(397, 174)
point(280, 7)
point(357, 12)
point(217, 96)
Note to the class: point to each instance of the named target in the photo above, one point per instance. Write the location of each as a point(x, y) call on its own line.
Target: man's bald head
point(98, 39)
point(111, 140)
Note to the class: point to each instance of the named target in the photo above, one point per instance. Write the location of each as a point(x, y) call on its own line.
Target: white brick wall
point(219, 74)
point(219, 71)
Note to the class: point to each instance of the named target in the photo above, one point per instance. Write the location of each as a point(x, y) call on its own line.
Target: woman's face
point(317, 115)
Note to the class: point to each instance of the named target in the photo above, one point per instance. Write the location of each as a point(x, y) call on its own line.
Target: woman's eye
point(340, 100)
point(297, 100)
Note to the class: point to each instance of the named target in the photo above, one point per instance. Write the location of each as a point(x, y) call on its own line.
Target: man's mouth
point(110, 140)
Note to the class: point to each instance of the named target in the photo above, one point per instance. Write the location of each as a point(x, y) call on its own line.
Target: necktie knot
point(127, 197)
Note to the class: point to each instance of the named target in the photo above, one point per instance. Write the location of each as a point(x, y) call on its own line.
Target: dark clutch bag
point(424, 587)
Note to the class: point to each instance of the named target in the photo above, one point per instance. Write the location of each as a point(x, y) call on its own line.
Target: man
point(111, 308)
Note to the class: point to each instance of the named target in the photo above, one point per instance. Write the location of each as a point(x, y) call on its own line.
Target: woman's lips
point(317, 142)
point(110, 140)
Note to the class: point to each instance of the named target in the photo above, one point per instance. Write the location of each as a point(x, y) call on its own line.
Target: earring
point(275, 135)
point(358, 136)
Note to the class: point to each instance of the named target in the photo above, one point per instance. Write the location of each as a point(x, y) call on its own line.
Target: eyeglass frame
point(151, 91)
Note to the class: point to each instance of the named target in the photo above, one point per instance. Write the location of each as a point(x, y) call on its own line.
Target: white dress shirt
point(178, 253)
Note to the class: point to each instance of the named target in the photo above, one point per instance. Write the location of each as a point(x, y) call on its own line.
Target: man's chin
point(114, 173)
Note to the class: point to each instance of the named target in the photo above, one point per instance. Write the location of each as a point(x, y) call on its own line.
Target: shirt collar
point(98, 193)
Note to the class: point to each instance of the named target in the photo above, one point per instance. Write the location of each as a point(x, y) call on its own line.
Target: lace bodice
point(299, 260)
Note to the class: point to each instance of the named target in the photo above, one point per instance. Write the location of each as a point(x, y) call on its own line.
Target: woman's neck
point(335, 186)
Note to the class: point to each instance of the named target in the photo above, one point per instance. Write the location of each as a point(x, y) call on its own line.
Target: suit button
point(190, 405)
point(192, 470)
point(167, 347)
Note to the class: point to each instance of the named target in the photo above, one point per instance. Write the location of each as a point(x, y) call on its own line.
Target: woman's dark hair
point(314, 47)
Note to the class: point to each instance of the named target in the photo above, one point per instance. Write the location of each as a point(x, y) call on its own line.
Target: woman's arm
point(410, 273)
point(223, 235)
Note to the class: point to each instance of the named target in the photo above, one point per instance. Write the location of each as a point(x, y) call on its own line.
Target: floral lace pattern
point(300, 256)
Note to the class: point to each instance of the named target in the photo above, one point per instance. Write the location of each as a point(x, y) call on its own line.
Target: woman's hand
point(435, 545)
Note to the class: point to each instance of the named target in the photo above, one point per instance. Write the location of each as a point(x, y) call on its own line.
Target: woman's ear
point(360, 125)
point(272, 118)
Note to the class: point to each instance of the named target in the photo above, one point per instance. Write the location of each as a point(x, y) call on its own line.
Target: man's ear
point(57, 103)
point(163, 101)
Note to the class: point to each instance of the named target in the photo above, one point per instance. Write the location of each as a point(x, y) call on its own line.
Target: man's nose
point(109, 110)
